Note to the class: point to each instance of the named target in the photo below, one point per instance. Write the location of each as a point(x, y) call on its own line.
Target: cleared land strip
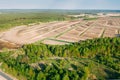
point(12, 36)
point(65, 31)
point(56, 28)
point(36, 26)
point(41, 28)
point(90, 26)
point(102, 32)
point(110, 32)
point(38, 32)
point(71, 31)
point(71, 37)
point(81, 33)
point(38, 37)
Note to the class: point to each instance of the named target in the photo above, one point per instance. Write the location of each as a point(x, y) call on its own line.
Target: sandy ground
point(72, 31)
point(25, 35)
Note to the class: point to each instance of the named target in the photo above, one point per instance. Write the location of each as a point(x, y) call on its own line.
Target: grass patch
point(90, 18)
point(9, 20)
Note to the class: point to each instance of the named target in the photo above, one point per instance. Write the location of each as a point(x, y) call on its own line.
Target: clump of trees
point(104, 51)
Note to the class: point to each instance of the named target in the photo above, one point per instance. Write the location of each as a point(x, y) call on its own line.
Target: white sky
point(60, 4)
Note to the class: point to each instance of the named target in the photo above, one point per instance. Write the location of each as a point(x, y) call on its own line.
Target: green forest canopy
point(90, 59)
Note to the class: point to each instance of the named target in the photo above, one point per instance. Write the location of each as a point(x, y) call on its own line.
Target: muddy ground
point(8, 45)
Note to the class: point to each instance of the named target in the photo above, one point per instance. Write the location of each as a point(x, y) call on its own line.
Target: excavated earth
point(60, 32)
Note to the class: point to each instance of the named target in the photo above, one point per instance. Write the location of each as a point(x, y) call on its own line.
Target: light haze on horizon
point(60, 4)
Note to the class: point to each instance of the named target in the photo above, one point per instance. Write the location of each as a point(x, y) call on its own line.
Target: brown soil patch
point(8, 45)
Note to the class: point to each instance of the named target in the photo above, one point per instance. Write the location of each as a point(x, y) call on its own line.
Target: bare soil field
point(9, 45)
point(110, 32)
point(70, 31)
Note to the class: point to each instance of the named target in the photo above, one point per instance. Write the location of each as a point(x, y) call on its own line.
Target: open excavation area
point(59, 45)
point(63, 32)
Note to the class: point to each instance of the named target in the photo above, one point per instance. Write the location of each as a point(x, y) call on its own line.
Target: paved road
point(3, 76)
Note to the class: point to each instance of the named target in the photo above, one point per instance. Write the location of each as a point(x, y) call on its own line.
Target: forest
point(91, 59)
point(13, 18)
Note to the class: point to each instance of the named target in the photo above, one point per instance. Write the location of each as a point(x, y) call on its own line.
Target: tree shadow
point(112, 74)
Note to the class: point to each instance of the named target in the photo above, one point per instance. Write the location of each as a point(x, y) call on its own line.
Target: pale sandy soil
point(71, 31)
point(25, 35)
point(7, 44)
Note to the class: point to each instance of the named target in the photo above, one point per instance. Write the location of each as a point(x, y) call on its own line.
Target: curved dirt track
point(63, 32)
point(30, 34)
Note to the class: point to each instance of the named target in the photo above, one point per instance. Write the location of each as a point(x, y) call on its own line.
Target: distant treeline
point(8, 20)
point(65, 11)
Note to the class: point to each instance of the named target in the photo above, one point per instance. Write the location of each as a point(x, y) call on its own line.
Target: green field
point(12, 19)
point(87, 18)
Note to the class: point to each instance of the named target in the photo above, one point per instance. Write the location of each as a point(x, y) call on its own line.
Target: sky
point(60, 4)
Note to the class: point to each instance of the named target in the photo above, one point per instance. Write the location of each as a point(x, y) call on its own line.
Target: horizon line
point(51, 9)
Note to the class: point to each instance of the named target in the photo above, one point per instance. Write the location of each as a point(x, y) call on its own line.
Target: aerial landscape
point(70, 42)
